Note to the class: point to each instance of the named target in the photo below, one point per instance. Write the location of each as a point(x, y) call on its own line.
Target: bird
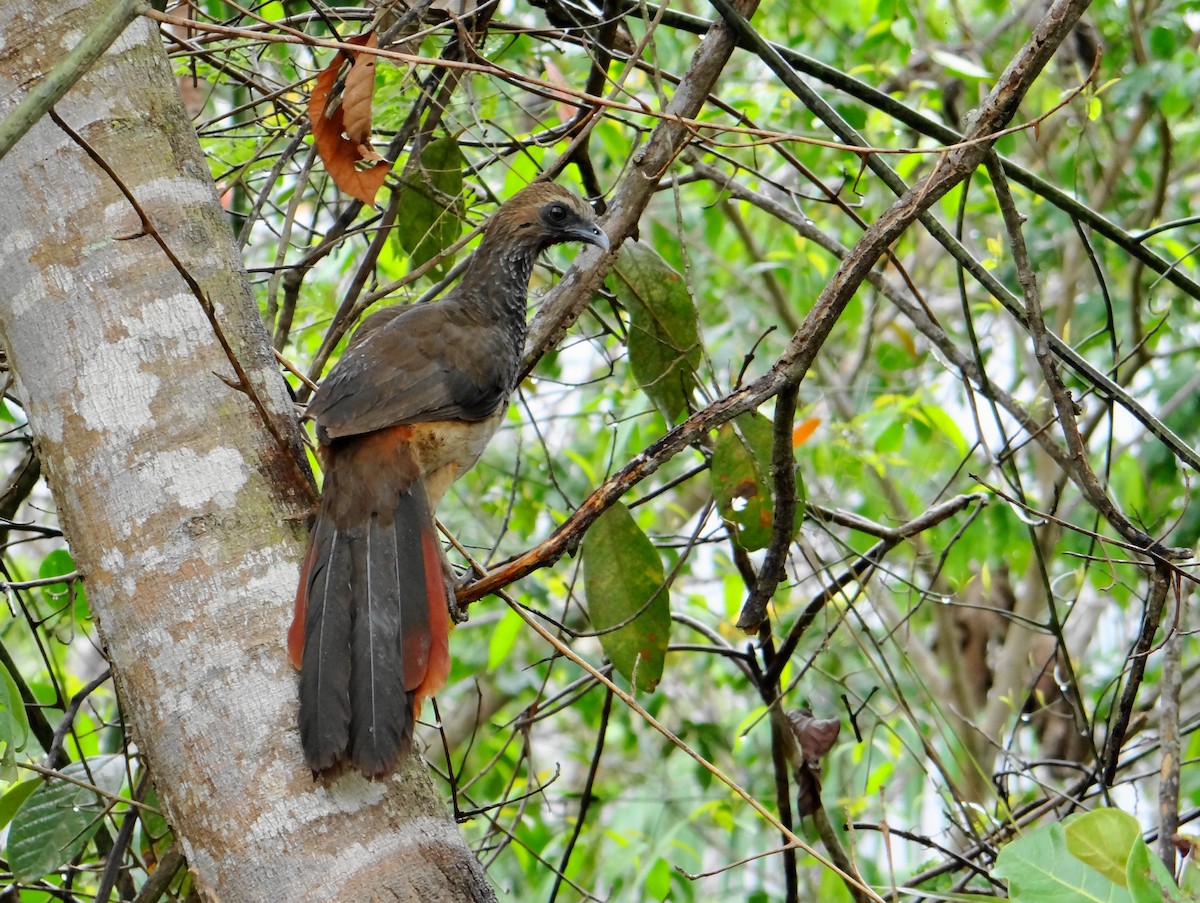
point(408, 408)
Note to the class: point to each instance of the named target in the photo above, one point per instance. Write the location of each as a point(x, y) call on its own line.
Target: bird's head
point(545, 214)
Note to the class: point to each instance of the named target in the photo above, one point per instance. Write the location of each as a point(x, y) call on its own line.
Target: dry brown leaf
point(808, 791)
point(344, 157)
point(816, 735)
point(358, 94)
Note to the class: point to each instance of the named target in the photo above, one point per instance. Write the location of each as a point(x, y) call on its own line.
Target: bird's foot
point(458, 613)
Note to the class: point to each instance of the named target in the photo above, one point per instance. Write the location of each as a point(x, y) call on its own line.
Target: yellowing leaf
point(904, 337)
point(623, 580)
point(1103, 838)
point(1038, 866)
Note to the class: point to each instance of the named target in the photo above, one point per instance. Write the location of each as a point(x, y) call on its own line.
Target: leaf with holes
point(430, 204)
point(664, 338)
point(623, 581)
point(740, 474)
point(340, 116)
point(59, 818)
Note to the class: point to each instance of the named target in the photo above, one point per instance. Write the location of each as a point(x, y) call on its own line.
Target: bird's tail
point(370, 632)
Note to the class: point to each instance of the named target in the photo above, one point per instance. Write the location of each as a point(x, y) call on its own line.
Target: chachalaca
point(409, 407)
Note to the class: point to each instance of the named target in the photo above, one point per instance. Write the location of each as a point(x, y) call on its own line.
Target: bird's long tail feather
point(371, 631)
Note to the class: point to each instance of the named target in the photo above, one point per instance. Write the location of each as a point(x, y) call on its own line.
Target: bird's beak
point(592, 234)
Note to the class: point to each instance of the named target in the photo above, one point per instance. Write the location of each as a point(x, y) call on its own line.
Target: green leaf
point(890, 440)
point(153, 823)
point(658, 880)
point(1147, 878)
point(430, 204)
point(14, 724)
point(664, 338)
point(504, 635)
point(17, 794)
point(946, 425)
point(1103, 839)
point(59, 818)
point(1039, 868)
point(740, 478)
point(1163, 42)
point(58, 563)
point(622, 576)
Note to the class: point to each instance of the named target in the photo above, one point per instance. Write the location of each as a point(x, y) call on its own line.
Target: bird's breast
point(445, 449)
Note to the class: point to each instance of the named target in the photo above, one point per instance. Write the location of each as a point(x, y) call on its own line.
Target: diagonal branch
point(575, 289)
point(567, 301)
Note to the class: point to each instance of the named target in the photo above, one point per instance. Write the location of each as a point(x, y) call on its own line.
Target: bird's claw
point(458, 613)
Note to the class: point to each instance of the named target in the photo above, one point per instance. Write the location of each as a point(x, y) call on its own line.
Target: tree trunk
point(183, 499)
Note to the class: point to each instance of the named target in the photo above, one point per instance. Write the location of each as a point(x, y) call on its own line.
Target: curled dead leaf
point(808, 790)
point(355, 167)
point(815, 735)
point(357, 96)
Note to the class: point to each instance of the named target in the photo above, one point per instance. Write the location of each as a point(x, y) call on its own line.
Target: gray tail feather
point(325, 672)
point(367, 630)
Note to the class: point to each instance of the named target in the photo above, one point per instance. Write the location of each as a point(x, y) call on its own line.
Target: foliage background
point(1013, 659)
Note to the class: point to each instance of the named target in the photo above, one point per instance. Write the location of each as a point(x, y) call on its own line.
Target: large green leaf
point(664, 338)
point(430, 204)
point(59, 818)
point(622, 576)
point(1039, 868)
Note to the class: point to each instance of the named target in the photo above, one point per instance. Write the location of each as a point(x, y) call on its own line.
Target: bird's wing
point(421, 365)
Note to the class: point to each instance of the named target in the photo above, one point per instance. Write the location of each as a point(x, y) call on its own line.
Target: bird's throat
point(500, 280)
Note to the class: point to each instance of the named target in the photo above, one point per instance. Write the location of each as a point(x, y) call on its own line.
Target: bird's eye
point(556, 213)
